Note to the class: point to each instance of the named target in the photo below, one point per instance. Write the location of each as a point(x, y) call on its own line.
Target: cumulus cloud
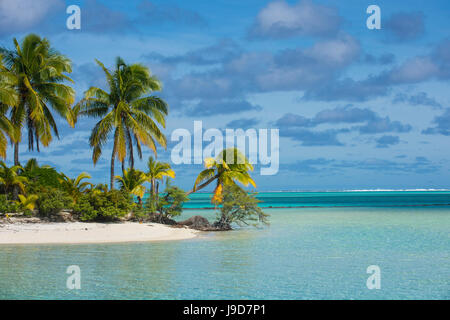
point(414, 70)
point(420, 165)
point(21, 15)
point(348, 89)
point(152, 13)
point(384, 59)
point(294, 126)
point(223, 51)
point(240, 73)
point(418, 69)
point(312, 138)
point(280, 19)
point(406, 26)
point(420, 98)
point(380, 125)
point(243, 123)
point(442, 124)
point(386, 141)
point(214, 107)
point(97, 17)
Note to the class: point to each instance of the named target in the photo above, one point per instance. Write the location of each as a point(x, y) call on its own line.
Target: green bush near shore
point(7, 206)
point(51, 201)
point(105, 206)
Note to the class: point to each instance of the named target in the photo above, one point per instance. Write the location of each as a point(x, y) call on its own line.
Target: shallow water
point(307, 253)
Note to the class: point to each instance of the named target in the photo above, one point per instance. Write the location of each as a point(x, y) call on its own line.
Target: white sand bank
point(78, 232)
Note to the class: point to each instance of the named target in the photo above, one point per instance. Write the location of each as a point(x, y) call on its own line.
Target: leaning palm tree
point(75, 187)
point(132, 182)
point(156, 172)
point(40, 73)
point(127, 113)
point(10, 178)
point(229, 167)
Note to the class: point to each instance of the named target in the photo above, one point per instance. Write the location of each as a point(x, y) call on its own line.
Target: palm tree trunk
point(16, 154)
point(153, 188)
point(203, 185)
point(199, 187)
point(123, 167)
point(113, 156)
point(16, 163)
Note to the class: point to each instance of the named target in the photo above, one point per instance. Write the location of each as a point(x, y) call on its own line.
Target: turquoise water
point(339, 199)
point(306, 253)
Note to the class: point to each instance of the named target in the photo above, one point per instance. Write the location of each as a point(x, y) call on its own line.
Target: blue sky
point(356, 108)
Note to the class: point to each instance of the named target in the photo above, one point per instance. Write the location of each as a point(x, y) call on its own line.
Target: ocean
point(318, 246)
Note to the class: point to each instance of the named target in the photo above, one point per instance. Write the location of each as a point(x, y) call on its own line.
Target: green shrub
point(51, 201)
point(7, 206)
point(84, 208)
point(239, 207)
point(169, 204)
point(109, 206)
point(39, 177)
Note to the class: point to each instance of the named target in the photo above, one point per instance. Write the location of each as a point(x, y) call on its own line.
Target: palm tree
point(75, 187)
point(225, 172)
point(157, 171)
point(127, 113)
point(10, 178)
point(8, 81)
point(8, 97)
point(99, 188)
point(28, 203)
point(39, 73)
point(31, 165)
point(132, 182)
point(6, 129)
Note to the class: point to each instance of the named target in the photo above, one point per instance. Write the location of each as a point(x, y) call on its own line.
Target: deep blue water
point(306, 253)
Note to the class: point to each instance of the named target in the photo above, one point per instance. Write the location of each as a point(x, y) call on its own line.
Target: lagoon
point(306, 253)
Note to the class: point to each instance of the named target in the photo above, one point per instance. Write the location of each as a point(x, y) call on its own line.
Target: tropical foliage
point(239, 207)
point(34, 87)
point(169, 204)
point(105, 206)
point(229, 167)
point(132, 182)
point(8, 97)
point(9, 178)
point(75, 187)
point(127, 113)
point(40, 176)
point(51, 201)
point(38, 74)
point(157, 171)
point(27, 203)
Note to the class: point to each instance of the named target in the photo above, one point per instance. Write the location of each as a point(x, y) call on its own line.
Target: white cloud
point(415, 70)
point(279, 19)
point(336, 52)
point(17, 15)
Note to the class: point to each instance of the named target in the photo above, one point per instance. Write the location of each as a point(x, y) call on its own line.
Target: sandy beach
point(78, 232)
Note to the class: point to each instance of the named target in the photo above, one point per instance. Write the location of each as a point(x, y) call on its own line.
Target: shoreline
point(90, 233)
